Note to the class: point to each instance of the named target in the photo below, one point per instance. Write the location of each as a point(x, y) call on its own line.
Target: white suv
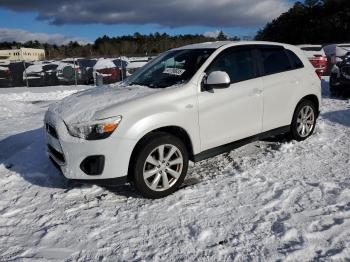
point(188, 104)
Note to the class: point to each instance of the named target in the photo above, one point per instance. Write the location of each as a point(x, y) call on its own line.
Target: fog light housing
point(93, 165)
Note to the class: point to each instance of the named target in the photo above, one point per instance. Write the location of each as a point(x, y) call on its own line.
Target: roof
point(218, 44)
point(206, 45)
point(306, 45)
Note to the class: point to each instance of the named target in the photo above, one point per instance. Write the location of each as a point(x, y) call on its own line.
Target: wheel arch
point(176, 131)
point(313, 99)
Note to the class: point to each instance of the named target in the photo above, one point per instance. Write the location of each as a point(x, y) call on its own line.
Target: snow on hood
point(103, 64)
point(82, 106)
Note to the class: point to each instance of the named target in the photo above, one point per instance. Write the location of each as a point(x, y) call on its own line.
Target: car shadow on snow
point(25, 154)
point(341, 117)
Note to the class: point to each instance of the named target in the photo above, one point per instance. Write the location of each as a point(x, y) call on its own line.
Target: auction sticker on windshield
point(173, 71)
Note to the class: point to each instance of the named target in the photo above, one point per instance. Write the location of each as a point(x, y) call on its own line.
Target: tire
point(304, 120)
point(151, 176)
point(334, 90)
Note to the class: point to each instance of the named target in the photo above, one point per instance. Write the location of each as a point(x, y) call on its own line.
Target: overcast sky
point(60, 21)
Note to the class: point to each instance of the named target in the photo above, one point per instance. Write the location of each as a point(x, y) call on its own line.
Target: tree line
point(131, 45)
point(311, 22)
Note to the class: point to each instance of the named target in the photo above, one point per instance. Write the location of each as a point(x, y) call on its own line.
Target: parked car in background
point(135, 64)
point(190, 103)
point(17, 69)
point(41, 74)
point(336, 52)
point(80, 69)
point(339, 81)
point(121, 64)
point(5, 74)
point(317, 57)
point(108, 70)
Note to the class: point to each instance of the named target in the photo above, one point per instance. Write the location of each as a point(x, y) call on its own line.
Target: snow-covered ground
point(267, 201)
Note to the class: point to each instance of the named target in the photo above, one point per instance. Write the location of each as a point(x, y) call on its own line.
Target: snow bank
point(30, 96)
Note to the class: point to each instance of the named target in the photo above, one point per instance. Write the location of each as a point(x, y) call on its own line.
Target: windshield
point(87, 62)
point(171, 68)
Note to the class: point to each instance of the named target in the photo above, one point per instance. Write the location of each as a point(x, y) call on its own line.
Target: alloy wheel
point(305, 121)
point(163, 167)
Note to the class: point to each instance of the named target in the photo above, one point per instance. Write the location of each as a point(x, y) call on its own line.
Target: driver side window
point(237, 63)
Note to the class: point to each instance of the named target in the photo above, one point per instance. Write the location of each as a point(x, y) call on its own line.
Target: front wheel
point(304, 120)
point(160, 165)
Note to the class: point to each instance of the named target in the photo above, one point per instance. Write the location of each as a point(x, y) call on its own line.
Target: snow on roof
point(206, 45)
point(34, 68)
point(4, 62)
point(218, 44)
point(139, 59)
point(301, 46)
point(136, 64)
point(103, 63)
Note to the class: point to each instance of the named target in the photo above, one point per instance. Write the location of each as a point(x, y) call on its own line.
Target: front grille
point(59, 156)
point(346, 71)
point(51, 130)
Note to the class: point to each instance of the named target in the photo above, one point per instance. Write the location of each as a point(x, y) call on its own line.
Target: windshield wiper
point(138, 84)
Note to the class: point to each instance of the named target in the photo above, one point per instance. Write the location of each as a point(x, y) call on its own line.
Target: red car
point(109, 71)
point(317, 57)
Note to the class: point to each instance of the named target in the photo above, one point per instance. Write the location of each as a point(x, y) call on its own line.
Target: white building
point(26, 54)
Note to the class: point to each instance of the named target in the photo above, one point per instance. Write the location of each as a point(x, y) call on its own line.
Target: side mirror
point(217, 79)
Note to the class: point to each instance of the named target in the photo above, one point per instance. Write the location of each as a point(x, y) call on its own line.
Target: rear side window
point(312, 48)
point(237, 63)
point(274, 60)
point(294, 59)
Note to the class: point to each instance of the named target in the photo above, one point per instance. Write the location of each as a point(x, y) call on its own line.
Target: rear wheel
point(160, 165)
point(304, 120)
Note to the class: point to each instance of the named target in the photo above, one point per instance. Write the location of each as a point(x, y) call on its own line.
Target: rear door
point(233, 113)
point(279, 84)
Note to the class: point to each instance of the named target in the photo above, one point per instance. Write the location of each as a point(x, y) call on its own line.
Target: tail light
point(8, 72)
point(115, 73)
point(319, 61)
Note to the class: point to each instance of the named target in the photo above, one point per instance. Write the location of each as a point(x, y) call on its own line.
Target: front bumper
point(70, 153)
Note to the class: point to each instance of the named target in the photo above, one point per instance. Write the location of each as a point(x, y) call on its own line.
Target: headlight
point(98, 129)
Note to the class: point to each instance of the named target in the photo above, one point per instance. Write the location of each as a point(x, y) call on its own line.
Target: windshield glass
point(171, 68)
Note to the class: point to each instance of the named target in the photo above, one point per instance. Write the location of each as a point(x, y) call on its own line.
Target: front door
point(233, 113)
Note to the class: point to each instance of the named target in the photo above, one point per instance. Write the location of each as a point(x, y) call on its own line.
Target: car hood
point(85, 105)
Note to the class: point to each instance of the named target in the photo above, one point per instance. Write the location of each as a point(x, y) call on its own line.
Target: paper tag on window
point(173, 71)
